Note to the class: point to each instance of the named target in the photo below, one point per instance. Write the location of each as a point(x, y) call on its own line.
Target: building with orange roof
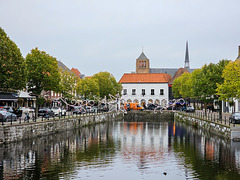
point(76, 72)
point(151, 85)
point(146, 88)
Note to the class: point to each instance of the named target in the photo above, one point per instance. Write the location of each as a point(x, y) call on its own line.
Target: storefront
point(8, 99)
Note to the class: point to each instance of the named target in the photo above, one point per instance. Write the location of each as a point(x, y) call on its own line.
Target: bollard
point(11, 119)
point(225, 120)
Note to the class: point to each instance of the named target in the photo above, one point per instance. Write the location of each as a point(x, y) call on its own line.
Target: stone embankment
point(214, 127)
point(149, 116)
point(17, 132)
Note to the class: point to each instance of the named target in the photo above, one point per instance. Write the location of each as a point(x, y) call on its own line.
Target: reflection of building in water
point(144, 141)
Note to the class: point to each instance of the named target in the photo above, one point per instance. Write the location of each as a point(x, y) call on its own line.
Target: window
point(125, 92)
point(161, 92)
point(143, 92)
point(152, 91)
point(133, 91)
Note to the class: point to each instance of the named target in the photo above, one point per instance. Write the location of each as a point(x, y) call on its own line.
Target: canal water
point(121, 151)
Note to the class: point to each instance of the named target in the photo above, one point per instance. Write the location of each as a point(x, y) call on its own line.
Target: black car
point(235, 118)
point(103, 107)
point(151, 106)
point(46, 112)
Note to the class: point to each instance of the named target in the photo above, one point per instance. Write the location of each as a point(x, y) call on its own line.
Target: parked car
point(103, 107)
point(235, 118)
point(90, 109)
point(153, 106)
point(171, 108)
point(8, 108)
point(45, 112)
point(59, 111)
point(78, 110)
point(189, 109)
point(6, 116)
point(133, 106)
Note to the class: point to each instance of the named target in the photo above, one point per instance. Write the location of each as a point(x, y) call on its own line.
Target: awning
point(8, 97)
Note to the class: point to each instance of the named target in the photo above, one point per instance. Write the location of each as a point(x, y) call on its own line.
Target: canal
point(123, 150)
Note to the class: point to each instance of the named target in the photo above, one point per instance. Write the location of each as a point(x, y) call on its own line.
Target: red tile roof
point(76, 71)
point(146, 78)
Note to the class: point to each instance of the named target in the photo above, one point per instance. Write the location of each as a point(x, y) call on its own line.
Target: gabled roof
point(146, 78)
point(142, 56)
point(76, 72)
point(63, 66)
point(179, 72)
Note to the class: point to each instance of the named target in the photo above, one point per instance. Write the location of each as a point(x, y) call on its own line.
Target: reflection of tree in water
point(49, 156)
point(208, 155)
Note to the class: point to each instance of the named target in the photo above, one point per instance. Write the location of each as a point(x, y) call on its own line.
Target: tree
point(12, 65)
point(107, 84)
point(205, 81)
point(67, 83)
point(176, 87)
point(42, 73)
point(186, 85)
point(229, 89)
point(88, 88)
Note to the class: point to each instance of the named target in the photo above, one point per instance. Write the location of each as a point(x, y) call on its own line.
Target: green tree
point(88, 88)
point(186, 85)
point(229, 89)
point(205, 82)
point(67, 83)
point(176, 87)
point(107, 84)
point(12, 65)
point(42, 73)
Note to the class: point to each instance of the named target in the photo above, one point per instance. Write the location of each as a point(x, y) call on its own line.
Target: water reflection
point(131, 150)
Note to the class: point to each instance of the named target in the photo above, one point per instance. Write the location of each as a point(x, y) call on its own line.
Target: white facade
point(157, 93)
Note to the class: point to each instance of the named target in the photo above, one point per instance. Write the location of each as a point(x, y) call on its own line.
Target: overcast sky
point(108, 35)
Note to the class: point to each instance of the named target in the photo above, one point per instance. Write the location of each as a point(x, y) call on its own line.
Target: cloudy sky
point(108, 35)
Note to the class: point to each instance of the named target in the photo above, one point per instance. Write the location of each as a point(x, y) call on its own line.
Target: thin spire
point(186, 57)
point(142, 49)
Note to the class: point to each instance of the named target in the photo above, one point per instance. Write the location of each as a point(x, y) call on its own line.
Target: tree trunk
point(220, 110)
point(205, 108)
point(36, 110)
point(194, 103)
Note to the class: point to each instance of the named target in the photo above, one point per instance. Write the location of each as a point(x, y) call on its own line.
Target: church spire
point(186, 65)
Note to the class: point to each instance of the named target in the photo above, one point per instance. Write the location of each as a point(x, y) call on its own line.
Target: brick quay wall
point(17, 132)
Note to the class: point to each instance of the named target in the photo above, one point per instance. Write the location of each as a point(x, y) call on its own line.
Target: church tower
point(142, 64)
point(187, 65)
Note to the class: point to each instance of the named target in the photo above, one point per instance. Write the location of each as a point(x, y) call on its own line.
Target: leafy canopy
point(43, 73)
point(230, 88)
point(12, 65)
point(107, 84)
point(88, 88)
